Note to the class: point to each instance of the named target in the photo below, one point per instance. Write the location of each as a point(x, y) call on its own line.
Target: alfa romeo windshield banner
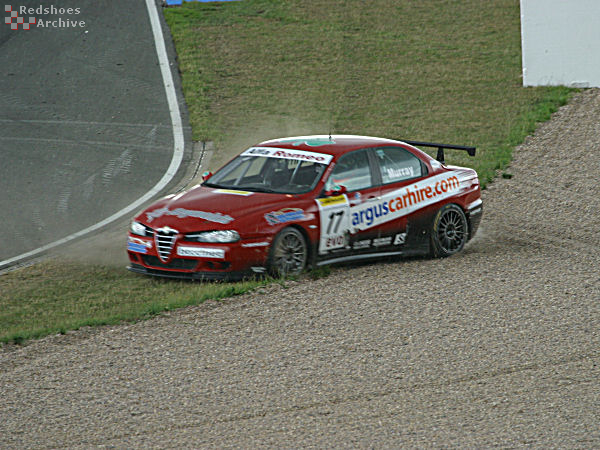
point(299, 155)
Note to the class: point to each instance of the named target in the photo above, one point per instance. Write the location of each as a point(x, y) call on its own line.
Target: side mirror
point(337, 190)
point(206, 175)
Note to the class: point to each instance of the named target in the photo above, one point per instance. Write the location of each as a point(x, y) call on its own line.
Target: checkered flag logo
point(14, 20)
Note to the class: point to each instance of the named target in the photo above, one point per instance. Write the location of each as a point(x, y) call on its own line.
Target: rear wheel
point(289, 253)
point(449, 231)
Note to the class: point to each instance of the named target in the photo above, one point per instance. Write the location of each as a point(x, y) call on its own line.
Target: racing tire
point(449, 231)
point(288, 254)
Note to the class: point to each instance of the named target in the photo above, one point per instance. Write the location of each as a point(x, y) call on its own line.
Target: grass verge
point(446, 71)
point(430, 70)
point(54, 297)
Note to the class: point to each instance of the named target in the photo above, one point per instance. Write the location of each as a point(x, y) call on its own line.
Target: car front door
point(352, 184)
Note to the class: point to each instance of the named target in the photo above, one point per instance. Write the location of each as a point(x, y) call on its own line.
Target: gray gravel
point(497, 346)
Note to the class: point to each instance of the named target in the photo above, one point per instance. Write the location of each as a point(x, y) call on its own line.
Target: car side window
point(352, 170)
point(397, 164)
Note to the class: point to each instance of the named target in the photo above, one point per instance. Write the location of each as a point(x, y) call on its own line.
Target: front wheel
point(449, 231)
point(289, 253)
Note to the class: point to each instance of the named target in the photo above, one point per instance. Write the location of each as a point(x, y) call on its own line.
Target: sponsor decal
point(338, 217)
point(284, 215)
point(358, 245)
point(299, 155)
point(255, 244)
point(138, 245)
point(404, 172)
point(404, 201)
point(328, 201)
point(233, 192)
point(201, 252)
point(382, 242)
point(138, 248)
point(397, 239)
point(182, 213)
point(400, 239)
point(334, 221)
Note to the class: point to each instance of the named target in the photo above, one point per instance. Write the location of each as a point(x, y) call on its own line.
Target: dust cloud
point(259, 129)
point(108, 248)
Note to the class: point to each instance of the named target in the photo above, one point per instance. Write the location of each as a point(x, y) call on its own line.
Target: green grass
point(53, 297)
point(438, 70)
point(442, 71)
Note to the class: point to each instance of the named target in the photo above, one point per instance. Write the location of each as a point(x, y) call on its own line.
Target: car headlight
point(214, 236)
point(137, 228)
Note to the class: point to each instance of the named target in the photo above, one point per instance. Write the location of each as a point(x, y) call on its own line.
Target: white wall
point(561, 42)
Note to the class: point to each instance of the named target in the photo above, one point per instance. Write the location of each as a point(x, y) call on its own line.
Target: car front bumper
point(199, 261)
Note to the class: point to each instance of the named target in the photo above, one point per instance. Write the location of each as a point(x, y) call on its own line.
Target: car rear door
point(400, 172)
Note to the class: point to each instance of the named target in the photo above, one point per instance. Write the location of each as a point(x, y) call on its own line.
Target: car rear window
point(397, 164)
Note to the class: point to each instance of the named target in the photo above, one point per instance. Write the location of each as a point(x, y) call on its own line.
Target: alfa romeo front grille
point(164, 242)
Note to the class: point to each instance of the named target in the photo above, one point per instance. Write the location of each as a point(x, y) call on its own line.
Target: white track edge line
point(178, 145)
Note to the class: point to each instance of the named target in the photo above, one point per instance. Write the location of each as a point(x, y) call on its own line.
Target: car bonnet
point(204, 208)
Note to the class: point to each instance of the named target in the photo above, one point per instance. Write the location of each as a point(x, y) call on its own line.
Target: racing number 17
point(331, 228)
point(334, 215)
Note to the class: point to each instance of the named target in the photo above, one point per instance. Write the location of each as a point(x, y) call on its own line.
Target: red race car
point(290, 203)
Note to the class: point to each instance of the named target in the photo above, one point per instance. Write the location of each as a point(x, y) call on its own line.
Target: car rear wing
point(441, 147)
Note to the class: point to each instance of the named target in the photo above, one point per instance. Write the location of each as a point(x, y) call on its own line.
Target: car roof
point(332, 145)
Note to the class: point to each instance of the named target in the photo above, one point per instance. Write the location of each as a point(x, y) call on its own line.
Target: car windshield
point(282, 172)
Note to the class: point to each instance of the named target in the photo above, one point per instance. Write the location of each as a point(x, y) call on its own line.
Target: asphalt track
point(85, 122)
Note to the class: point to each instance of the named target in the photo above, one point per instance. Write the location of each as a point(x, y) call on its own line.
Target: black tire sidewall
point(273, 270)
point(436, 249)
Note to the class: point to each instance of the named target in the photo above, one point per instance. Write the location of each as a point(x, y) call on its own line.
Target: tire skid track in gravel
point(496, 346)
